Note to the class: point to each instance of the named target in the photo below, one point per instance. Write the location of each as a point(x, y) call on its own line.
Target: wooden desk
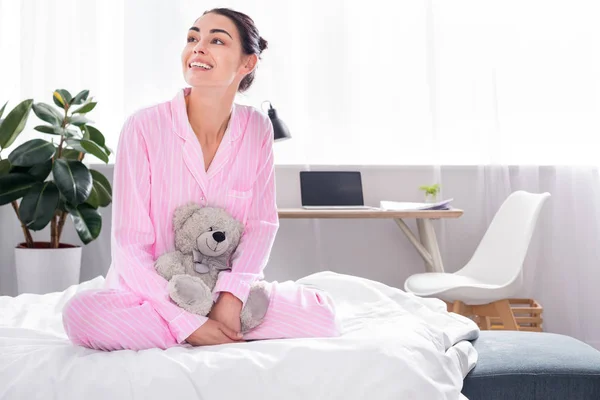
point(426, 242)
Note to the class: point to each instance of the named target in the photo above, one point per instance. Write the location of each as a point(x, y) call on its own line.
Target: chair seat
point(436, 282)
point(450, 287)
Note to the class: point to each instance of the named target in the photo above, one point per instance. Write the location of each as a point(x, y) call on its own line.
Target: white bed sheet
point(394, 346)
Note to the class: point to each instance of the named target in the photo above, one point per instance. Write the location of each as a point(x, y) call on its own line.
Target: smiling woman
point(200, 148)
point(244, 39)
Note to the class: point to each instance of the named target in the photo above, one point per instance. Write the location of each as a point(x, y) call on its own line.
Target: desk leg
point(423, 250)
point(429, 241)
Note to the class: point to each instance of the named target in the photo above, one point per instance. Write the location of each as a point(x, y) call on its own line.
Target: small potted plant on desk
point(431, 192)
point(45, 181)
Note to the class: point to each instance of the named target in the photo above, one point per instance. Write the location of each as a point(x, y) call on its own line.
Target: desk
point(426, 243)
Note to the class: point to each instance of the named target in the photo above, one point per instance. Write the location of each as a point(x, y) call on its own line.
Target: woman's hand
point(212, 333)
point(227, 310)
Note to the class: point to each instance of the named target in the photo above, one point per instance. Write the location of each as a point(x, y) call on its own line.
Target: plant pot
point(430, 199)
point(42, 269)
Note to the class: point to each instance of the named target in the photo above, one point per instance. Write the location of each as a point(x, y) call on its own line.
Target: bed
point(394, 346)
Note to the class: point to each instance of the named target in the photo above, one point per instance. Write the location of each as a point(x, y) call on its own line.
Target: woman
point(201, 147)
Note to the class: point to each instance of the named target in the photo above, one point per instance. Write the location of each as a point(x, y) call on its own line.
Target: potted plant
point(431, 192)
point(45, 181)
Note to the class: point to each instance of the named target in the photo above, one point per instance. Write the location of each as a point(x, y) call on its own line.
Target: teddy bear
point(205, 239)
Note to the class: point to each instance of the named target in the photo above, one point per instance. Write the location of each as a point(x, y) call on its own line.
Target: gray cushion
point(533, 365)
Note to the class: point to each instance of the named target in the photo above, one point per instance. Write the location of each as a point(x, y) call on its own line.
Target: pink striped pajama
point(160, 166)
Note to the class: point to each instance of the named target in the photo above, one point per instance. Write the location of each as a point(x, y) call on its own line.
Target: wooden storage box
point(527, 312)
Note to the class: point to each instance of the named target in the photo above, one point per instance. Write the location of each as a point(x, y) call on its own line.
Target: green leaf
point(79, 120)
point(52, 130)
point(70, 154)
point(58, 100)
point(14, 186)
point(92, 148)
point(47, 113)
point(73, 180)
point(80, 97)
point(96, 136)
point(33, 152)
point(14, 123)
point(85, 108)
point(86, 133)
point(41, 171)
point(66, 96)
point(101, 195)
point(87, 221)
point(72, 133)
point(39, 205)
point(4, 167)
point(57, 130)
point(88, 147)
point(76, 145)
point(2, 109)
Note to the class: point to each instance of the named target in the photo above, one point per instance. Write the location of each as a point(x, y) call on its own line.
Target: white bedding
point(394, 346)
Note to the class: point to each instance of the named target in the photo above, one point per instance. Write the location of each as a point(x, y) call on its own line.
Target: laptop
point(332, 190)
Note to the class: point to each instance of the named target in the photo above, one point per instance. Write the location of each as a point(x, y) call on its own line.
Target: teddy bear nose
point(219, 236)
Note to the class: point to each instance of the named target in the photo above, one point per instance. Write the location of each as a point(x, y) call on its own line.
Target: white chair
point(495, 271)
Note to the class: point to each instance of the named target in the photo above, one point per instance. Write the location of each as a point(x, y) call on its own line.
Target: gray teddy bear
point(205, 239)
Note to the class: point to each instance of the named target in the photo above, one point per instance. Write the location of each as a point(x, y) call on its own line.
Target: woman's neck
point(209, 114)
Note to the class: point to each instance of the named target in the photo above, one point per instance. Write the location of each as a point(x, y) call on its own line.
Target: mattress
point(394, 345)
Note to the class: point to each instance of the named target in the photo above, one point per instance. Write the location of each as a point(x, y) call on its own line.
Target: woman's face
point(213, 55)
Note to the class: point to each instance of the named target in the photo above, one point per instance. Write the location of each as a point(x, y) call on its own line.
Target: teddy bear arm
point(170, 264)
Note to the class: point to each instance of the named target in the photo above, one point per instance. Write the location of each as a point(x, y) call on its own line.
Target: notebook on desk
point(332, 190)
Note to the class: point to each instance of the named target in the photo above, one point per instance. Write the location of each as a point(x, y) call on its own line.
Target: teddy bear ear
point(182, 213)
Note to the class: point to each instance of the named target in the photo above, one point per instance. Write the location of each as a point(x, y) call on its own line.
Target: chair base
point(483, 314)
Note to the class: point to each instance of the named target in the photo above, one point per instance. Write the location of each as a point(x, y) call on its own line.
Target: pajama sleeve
point(133, 232)
point(252, 253)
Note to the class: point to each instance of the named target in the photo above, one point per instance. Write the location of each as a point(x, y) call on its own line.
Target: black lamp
point(280, 129)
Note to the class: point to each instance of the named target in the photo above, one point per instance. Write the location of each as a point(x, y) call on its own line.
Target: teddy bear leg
point(191, 294)
point(256, 307)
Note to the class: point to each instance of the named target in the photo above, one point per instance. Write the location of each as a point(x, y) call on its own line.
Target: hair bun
point(262, 44)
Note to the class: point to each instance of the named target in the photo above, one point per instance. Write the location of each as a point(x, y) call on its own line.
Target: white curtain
point(511, 88)
point(380, 82)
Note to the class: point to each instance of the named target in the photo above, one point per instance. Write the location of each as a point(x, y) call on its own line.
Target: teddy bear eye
point(210, 229)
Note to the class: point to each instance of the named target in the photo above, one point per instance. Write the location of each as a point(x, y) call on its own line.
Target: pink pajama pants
point(111, 319)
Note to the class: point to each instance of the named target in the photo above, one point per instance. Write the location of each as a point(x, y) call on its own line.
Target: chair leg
point(484, 323)
point(506, 315)
point(500, 309)
point(459, 307)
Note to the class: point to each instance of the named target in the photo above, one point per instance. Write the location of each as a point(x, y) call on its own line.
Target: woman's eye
point(218, 40)
point(191, 39)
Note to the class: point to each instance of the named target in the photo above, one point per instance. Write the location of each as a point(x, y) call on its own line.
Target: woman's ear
point(249, 63)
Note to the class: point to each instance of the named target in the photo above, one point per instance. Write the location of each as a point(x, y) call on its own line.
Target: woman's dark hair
point(252, 42)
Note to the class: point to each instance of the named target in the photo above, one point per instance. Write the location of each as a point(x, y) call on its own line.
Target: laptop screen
point(331, 188)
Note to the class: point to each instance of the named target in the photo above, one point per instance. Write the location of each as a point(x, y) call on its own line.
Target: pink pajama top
point(159, 166)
